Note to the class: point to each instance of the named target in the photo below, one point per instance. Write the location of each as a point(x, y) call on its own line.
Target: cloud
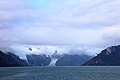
point(112, 35)
point(89, 23)
point(61, 36)
point(22, 50)
point(64, 13)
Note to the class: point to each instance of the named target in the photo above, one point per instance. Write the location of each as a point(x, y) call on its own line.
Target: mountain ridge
point(57, 60)
point(9, 60)
point(108, 57)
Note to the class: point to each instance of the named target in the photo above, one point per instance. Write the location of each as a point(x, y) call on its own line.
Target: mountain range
point(107, 57)
point(57, 60)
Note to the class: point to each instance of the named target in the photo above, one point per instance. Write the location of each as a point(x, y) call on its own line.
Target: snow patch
point(53, 62)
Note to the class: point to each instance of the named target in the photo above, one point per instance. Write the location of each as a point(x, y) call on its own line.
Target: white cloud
point(112, 35)
point(91, 23)
point(56, 36)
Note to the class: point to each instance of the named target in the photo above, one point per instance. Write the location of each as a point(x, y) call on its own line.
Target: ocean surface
point(60, 73)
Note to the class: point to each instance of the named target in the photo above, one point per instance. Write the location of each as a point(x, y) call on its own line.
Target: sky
point(87, 23)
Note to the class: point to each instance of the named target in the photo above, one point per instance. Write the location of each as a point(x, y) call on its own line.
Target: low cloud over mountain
point(88, 23)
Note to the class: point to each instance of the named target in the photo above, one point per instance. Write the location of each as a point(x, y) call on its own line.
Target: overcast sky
point(89, 23)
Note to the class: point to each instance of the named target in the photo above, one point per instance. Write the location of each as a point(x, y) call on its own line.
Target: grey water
point(60, 73)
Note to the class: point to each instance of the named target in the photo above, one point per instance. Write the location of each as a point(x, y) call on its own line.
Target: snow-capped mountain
point(37, 55)
point(57, 60)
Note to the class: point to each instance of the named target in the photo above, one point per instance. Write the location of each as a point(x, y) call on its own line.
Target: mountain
point(72, 60)
point(38, 60)
point(10, 59)
point(107, 57)
point(54, 58)
point(57, 60)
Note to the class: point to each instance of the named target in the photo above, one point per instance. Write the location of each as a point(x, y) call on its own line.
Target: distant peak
point(55, 52)
point(30, 49)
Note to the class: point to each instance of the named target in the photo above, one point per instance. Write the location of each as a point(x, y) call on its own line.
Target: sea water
point(60, 73)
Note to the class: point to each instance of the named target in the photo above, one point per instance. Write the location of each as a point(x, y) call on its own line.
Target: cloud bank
point(88, 23)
